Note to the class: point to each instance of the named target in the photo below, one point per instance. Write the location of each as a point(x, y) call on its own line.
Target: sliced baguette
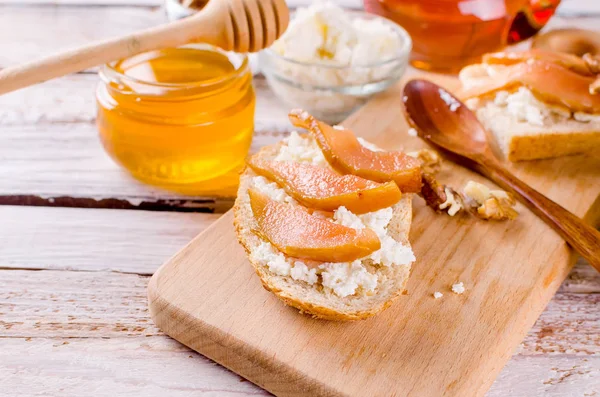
point(520, 140)
point(316, 300)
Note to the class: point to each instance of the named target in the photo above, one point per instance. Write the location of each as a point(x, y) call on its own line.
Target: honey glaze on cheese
point(342, 278)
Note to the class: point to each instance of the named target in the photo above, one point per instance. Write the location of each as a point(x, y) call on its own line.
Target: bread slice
point(556, 133)
point(317, 300)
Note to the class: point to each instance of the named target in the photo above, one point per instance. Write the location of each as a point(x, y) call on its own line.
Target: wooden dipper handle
point(212, 25)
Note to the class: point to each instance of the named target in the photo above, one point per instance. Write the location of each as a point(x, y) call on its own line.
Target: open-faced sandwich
point(325, 217)
point(537, 104)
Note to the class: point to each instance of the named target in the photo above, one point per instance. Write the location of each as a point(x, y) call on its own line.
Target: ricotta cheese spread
point(325, 34)
point(343, 278)
point(300, 150)
point(329, 58)
point(525, 107)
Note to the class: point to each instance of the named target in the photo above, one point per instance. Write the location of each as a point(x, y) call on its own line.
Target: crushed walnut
point(440, 197)
point(431, 161)
point(477, 198)
point(489, 204)
point(453, 202)
point(432, 191)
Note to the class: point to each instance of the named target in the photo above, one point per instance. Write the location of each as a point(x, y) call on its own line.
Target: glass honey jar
point(449, 34)
point(178, 117)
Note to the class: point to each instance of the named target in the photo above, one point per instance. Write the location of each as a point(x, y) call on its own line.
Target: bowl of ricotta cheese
point(330, 61)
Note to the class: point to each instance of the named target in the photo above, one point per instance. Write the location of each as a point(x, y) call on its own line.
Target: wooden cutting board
point(208, 297)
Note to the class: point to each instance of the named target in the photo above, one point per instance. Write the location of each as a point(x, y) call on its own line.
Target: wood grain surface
point(61, 333)
point(208, 297)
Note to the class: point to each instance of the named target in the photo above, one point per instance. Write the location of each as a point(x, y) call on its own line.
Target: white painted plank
point(72, 99)
point(539, 376)
point(151, 367)
point(567, 7)
point(54, 327)
point(84, 3)
point(582, 279)
point(580, 8)
point(60, 304)
point(130, 241)
point(158, 366)
point(291, 3)
point(94, 239)
point(31, 32)
point(55, 121)
point(31, 167)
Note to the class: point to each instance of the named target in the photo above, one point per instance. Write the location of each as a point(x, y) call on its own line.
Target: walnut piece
point(489, 204)
point(440, 197)
point(453, 202)
point(431, 161)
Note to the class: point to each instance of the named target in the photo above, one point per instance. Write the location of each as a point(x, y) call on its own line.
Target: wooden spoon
point(234, 25)
point(445, 122)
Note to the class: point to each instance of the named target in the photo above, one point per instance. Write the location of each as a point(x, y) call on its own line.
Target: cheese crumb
point(412, 132)
point(437, 295)
point(458, 288)
point(452, 103)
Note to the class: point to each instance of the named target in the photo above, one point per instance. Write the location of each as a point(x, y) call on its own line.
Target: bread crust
point(552, 144)
point(313, 299)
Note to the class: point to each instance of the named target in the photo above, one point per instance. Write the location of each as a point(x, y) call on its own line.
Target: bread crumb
point(412, 132)
point(437, 295)
point(458, 288)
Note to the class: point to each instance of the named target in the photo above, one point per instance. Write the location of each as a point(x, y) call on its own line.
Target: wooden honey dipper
point(234, 25)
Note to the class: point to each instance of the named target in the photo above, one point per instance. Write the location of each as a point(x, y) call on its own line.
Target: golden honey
point(177, 117)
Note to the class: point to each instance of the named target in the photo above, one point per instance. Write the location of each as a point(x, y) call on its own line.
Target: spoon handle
point(581, 236)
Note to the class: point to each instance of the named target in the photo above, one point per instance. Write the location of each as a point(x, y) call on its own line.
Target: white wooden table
point(79, 239)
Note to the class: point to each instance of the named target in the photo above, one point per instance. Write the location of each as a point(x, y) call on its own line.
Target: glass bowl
point(331, 92)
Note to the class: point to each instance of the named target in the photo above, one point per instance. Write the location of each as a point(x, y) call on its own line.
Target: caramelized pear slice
point(549, 82)
point(569, 61)
point(345, 154)
point(295, 232)
point(321, 188)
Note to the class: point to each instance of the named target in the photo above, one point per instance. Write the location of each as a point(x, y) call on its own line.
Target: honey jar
point(178, 117)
